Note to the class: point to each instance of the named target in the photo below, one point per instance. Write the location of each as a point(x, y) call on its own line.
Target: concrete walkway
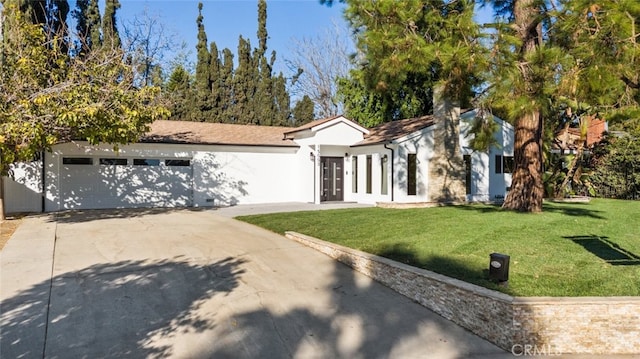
point(197, 284)
point(250, 209)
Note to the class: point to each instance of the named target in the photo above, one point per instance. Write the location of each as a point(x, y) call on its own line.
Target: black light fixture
point(384, 158)
point(346, 154)
point(312, 156)
point(499, 268)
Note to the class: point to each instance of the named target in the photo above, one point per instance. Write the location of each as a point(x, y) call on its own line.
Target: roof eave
point(203, 143)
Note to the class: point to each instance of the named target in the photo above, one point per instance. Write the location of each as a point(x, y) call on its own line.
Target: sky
point(226, 20)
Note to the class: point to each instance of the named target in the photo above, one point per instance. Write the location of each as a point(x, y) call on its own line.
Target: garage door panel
point(77, 186)
point(125, 186)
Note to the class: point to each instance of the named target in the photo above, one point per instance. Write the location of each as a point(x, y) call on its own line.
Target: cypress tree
point(179, 86)
point(227, 95)
point(216, 85)
point(93, 24)
point(303, 111)
point(264, 99)
point(246, 94)
point(282, 102)
point(110, 35)
point(203, 77)
point(87, 15)
point(244, 85)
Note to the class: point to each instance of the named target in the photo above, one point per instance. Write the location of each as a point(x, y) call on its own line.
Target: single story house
point(212, 164)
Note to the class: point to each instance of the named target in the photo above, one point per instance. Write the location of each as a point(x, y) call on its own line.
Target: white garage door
point(92, 183)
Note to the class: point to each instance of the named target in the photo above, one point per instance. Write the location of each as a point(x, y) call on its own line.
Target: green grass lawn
point(571, 249)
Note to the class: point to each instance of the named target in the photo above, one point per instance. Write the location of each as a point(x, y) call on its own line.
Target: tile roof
point(216, 134)
point(393, 130)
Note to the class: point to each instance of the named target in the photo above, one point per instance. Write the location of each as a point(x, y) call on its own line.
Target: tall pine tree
point(543, 57)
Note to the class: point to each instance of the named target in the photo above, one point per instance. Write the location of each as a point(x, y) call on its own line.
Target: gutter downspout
point(43, 183)
point(392, 172)
point(316, 185)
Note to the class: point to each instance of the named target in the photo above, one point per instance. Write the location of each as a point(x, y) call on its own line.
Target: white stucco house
point(210, 164)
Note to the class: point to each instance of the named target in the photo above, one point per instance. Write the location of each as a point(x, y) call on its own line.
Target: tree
point(572, 56)
point(203, 77)
point(87, 15)
point(246, 94)
point(51, 15)
point(179, 87)
point(321, 61)
point(303, 111)
point(227, 94)
point(244, 85)
point(90, 98)
point(110, 35)
point(616, 163)
point(282, 102)
point(523, 82)
point(147, 42)
point(543, 57)
point(265, 111)
point(407, 50)
point(416, 54)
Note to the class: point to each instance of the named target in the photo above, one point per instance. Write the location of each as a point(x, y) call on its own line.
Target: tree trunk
point(527, 189)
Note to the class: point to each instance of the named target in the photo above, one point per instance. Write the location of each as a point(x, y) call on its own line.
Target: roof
point(570, 138)
point(188, 132)
point(311, 124)
point(394, 130)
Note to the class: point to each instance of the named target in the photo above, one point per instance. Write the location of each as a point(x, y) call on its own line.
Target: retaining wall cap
point(576, 300)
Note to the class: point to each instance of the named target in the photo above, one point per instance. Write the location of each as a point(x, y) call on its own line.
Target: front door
point(331, 176)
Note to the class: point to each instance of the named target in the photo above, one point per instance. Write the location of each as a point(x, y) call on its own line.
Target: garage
point(86, 182)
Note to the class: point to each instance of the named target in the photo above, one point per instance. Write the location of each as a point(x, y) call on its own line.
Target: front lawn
point(571, 249)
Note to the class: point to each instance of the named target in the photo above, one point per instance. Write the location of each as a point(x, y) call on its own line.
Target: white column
point(317, 172)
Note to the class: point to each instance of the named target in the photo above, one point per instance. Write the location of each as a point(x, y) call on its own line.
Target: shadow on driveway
point(114, 310)
point(229, 290)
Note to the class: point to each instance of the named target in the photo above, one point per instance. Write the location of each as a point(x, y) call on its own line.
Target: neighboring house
point(211, 164)
point(568, 139)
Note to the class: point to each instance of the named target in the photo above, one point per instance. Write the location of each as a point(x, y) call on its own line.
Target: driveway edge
point(26, 264)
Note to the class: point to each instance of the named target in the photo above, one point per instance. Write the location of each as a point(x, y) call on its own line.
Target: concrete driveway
point(197, 284)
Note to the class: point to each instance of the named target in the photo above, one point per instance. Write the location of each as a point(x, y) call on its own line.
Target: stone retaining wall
point(539, 325)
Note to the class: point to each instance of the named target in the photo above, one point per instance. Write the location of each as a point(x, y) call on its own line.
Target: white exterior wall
point(218, 175)
point(376, 152)
point(23, 191)
point(421, 144)
point(336, 132)
point(486, 185)
point(239, 175)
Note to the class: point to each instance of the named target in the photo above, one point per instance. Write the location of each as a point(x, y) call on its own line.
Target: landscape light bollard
point(499, 268)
